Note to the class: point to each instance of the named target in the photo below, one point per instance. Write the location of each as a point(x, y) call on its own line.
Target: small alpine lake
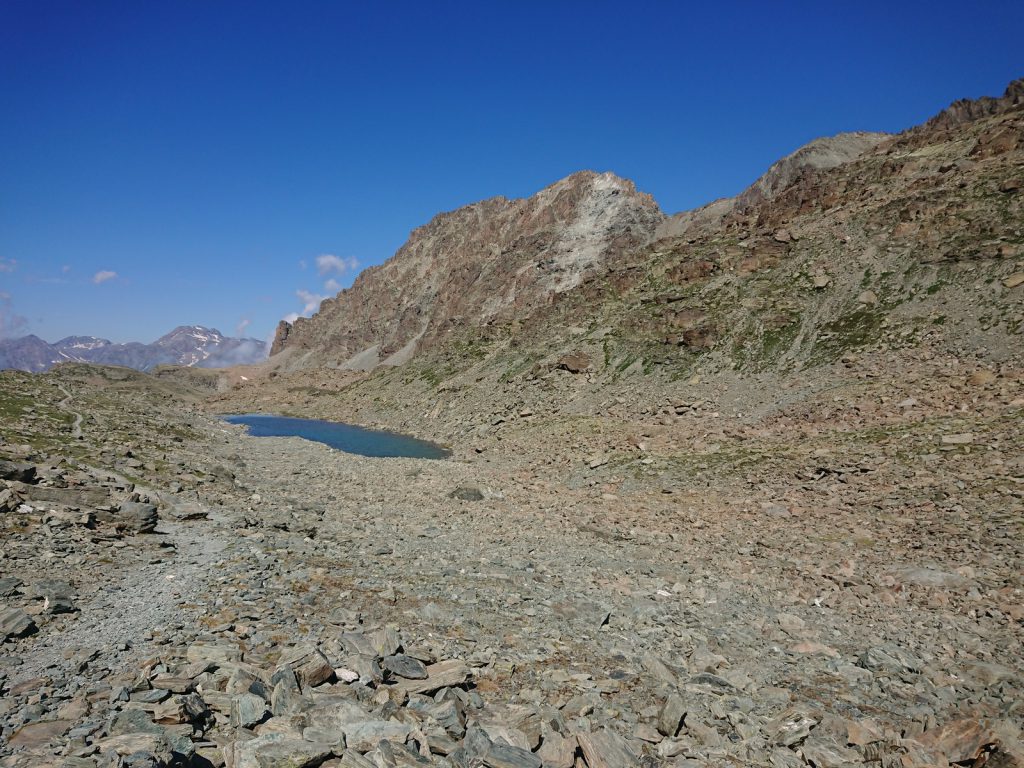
point(344, 437)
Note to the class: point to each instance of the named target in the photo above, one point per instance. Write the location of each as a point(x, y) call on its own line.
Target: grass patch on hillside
point(853, 330)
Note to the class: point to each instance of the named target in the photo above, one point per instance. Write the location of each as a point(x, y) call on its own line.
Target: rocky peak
point(191, 334)
point(70, 344)
point(820, 154)
point(475, 265)
point(966, 110)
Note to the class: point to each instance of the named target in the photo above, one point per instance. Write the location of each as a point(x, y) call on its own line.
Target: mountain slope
point(819, 154)
point(489, 262)
point(30, 353)
point(498, 261)
point(910, 249)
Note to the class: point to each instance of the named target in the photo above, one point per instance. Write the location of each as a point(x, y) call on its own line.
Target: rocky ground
point(740, 487)
point(736, 577)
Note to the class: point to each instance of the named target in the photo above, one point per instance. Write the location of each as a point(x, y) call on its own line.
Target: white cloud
point(244, 323)
point(311, 301)
point(103, 275)
point(332, 285)
point(302, 264)
point(291, 317)
point(328, 263)
point(8, 265)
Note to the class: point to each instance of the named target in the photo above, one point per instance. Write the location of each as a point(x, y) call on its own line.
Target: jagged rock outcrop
point(494, 259)
point(965, 110)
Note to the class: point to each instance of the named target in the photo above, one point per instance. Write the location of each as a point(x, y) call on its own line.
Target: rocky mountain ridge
point(489, 262)
point(910, 246)
point(496, 261)
point(186, 345)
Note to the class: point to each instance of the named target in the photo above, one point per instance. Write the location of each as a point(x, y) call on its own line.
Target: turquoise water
point(344, 437)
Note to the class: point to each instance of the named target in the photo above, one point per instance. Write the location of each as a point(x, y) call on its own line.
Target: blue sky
point(188, 162)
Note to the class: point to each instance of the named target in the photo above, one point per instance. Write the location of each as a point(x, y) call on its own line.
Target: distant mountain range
point(188, 345)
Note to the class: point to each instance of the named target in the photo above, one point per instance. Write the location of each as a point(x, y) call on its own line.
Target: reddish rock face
point(486, 262)
point(966, 110)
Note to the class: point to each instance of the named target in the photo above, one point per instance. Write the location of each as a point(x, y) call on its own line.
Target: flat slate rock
point(39, 734)
point(14, 622)
point(405, 666)
point(606, 749)
point(505, 756)
point(70, 497)
point(444, 674)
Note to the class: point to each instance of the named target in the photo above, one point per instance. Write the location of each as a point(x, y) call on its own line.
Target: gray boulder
point(137, 517)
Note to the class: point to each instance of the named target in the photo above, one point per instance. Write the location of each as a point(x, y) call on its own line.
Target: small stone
point(9, 586)
point(671, 716)
point(444, 674)
point(647, 733)
point(889, 658)
point(576, 362)
point(309, 664)
point(466, 493)
point(346, 675)
point(558, 751)
point(132, 721)
point(152, 696)
point(793, 730)
point(505, 756)
point(405, 666)
point(248, 710)
point(138, 517)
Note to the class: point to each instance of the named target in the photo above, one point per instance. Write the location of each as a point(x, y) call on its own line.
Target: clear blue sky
point(205, 151)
